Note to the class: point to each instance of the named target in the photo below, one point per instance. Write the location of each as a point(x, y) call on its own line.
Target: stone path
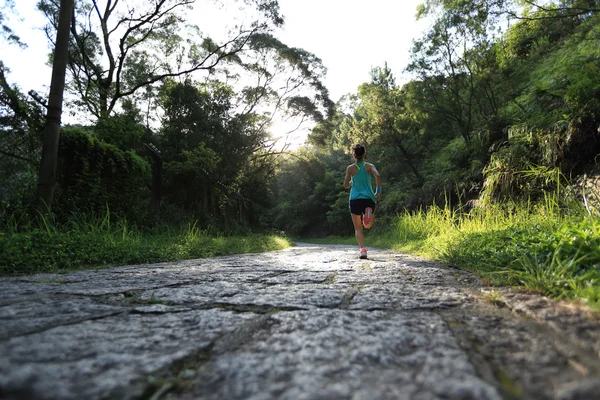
point(311, 322)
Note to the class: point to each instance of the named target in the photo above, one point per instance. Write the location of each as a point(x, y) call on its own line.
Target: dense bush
point(93, 176)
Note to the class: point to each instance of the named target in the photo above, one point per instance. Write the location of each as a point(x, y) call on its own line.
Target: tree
point(453, 63)
point(18, 117)
point(550, 10)
point(124, 129)
point(21, 122)
point(517, 9)
point(380, 119)
point(438, 60)
point(207, 145)
point(308, 192)
point(122, 53)
point(129, 54)
point(383, 116)
point(6, 32)
point(52, 129)
point(119, 49)
point(286, 81)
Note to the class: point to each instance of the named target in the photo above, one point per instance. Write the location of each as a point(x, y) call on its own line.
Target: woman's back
point(362, 188)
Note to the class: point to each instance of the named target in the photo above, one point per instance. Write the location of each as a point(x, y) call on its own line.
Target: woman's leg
point(369, 214)
point(368, 218)
point(358, 230)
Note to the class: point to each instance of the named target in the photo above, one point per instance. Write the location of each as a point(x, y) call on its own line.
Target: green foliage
point(553, 97)
point(210, 153)
point(85, 243)
point(515, 244)
point(6, 32)
point(504, 167)
point(453, 64)
point(564, 79)
point(309, 194)
point(527, 167)
point(124, 130)
point(21, 124)
point(93, 175)
point(455, 168)
point(557, 257)
point(338, 218)
point(108, 64)
point(491, 113)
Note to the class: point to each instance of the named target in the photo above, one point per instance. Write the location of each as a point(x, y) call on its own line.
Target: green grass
point(102, 243)
point(546, 248)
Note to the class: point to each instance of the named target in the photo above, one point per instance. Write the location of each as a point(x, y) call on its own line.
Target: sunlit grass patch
point(530, 247)
point(545, 247)
point(494, 297)
point(87, 244)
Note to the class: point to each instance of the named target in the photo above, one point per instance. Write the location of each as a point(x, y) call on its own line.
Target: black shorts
point(359, 206)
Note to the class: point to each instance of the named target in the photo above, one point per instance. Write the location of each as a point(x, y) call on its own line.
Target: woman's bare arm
point(373, 171)
point(348, 177)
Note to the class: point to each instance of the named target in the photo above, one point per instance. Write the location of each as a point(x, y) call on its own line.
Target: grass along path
point(536, 247)
point(103, 245)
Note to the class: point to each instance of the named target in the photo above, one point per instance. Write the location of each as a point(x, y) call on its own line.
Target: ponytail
point(358, 151)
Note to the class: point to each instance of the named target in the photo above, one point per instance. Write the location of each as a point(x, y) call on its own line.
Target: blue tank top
point(362, 188)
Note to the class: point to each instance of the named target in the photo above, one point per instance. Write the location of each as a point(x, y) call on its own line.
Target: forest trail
point(309, 322)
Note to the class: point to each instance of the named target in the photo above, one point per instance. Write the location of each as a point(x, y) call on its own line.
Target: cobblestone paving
point(310, 322)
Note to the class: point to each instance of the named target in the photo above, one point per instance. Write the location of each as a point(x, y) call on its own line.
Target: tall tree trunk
point(47, 174)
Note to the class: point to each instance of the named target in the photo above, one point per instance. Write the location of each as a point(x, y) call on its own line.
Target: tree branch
point(198, 67)
point(18, 157)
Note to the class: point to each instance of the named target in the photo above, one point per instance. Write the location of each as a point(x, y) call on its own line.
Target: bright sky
point(350, 36)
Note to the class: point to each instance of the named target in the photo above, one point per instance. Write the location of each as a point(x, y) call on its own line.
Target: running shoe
point(368, 217)
point(363, 253)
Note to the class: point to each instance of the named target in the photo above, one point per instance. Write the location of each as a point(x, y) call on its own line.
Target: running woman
point(362, 197)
